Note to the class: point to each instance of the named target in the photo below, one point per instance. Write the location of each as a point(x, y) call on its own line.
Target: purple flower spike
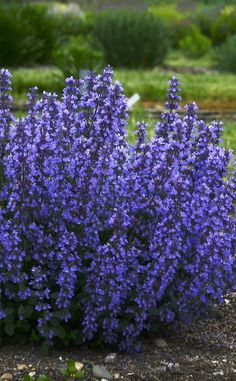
point(103, 240)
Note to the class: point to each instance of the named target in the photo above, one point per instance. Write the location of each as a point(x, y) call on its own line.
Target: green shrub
point(178, 23)
point(225, 55)
point(70, 20)
point(27, 34)
point(204, 19)
point(195, 44)
point(132, 39)
point(224, 25)
point(76, 54)
point(167, 12)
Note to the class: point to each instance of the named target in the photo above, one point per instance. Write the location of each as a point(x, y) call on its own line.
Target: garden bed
point(204, 350)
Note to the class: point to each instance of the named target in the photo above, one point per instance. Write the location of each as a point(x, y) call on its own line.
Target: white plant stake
point(133, 100)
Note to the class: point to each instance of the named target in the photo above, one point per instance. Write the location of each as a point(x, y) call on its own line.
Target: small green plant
point(195, 44)
point(70, 373)
point(76, 54)
point(224, 25)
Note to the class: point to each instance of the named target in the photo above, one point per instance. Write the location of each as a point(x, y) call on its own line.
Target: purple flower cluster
point(110, 236)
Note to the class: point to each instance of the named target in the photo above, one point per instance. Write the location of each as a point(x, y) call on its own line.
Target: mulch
point(205, 350)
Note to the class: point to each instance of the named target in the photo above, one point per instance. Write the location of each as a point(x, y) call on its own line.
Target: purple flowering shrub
point(101, 239)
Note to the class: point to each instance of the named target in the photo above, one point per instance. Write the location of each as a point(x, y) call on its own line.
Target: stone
point(160, 343)
point(79, 365)
point(22, 367)
point(7, 377)
point(219, 373)
point(161, 369)
point(32, 374)
point(110, 358)
point(101, 372)
point(116, 376)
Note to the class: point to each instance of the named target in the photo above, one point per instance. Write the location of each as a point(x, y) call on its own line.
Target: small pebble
point(101, 372)
point(160, 343)
point(110, 358)
point(6, 377)
point(79, 365)
point(220, 373)
point(22, 367)
point(161, 369)
point(32, 374)
point(116, 376)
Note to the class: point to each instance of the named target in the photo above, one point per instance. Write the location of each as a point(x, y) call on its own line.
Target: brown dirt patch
point(205, 350)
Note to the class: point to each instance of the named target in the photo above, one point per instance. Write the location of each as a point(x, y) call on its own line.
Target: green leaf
point(43, 377)
point(65, 372)
point(27, 377)
point(9, 329)
point(79, 374)
point(60, 332)
point(9, 311)
point(154, 311)
point(44, 349)
point(71, 366)
point(156, 326)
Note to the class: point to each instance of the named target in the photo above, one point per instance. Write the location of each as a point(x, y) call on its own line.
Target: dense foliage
point(132, 39)
point(195, 44)
point(63, 35)
point(225, 55)
point(101, 239)
point(224, 25)
point(78, 54)
point(27, 34)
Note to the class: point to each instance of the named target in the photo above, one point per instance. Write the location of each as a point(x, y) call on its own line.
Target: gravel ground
point(202, 351)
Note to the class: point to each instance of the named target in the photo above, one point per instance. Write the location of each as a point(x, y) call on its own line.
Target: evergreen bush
point(132, 39)
point(225, 55)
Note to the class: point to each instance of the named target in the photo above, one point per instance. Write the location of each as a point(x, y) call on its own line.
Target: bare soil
point(205, 350)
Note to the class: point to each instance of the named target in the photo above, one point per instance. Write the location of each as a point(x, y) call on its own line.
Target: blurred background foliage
point(147, 41)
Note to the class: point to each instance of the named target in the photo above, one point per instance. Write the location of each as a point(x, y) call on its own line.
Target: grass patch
point(45, 78)
point(176, 59)
point(151, 85)
point(229, 136)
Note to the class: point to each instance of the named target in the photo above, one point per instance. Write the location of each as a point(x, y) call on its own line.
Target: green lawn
point(45, 78)
point(150, 84)
point(216, 91)
point(176, 59)
point(229, 136)
point(204, 88)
